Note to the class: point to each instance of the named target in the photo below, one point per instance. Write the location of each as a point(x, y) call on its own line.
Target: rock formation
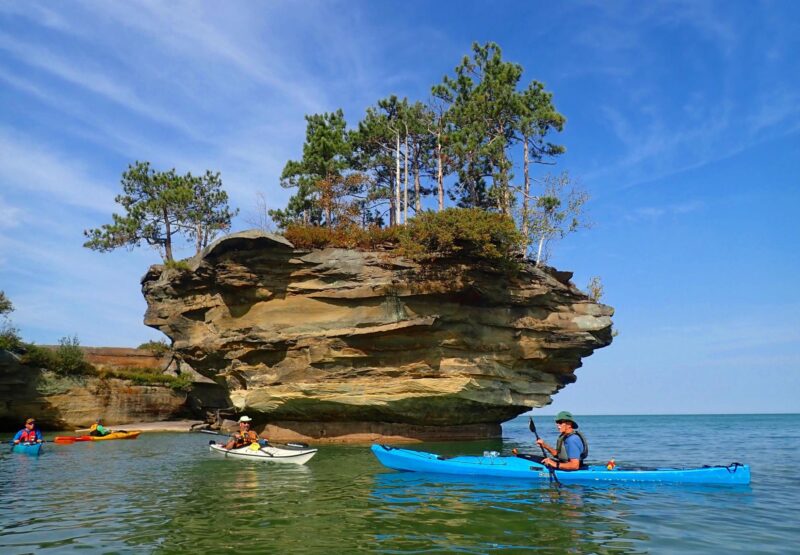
point(346, 344)
point(69, 402)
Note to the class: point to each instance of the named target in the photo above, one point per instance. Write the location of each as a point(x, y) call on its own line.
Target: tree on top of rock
point(326, 155)
point(160, 206)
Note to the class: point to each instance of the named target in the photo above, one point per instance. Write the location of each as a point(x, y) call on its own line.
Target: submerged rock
point(338, 343)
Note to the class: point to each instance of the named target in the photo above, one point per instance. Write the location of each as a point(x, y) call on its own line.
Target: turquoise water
point(165, 493)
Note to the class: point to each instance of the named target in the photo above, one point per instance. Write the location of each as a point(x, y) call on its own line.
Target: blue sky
point(683, 123)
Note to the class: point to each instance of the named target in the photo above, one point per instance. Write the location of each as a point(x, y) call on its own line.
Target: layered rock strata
point(69, 402)
point(338, 343)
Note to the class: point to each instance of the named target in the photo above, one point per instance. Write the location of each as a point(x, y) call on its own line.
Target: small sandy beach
point(165, 426)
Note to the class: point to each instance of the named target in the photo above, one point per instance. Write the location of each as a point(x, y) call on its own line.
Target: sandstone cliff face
point(59, 402)
point(337, 343)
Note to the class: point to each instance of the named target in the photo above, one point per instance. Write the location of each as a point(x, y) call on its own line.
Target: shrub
point(177, 264)
point(9, 338)
point(39, 357)
point(148, 376)
point(69, 357)
point(470, 232)
point(158, 348)
point(66, 359)
point(345, 237)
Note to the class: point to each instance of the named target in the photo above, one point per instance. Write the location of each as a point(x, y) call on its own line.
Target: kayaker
point(244, 437)
point(571, 447)
point(98, 429)
point(29, 434)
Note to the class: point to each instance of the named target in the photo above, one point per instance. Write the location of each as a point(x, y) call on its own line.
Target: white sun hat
point(245, 418)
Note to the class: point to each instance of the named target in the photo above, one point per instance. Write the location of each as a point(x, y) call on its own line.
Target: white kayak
point(268, 453)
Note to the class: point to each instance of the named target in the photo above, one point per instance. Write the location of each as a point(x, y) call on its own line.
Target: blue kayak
point(518, 467)
point(27, 448)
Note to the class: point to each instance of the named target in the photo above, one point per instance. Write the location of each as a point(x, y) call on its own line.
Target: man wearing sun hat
point(245, 436)
point(571, 447)
point(29, 434)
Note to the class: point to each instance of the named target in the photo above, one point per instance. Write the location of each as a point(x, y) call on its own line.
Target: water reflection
point(459, 514)
point(165, 493)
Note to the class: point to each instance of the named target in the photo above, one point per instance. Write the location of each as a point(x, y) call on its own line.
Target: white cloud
point(28, 166)
point(10, 216)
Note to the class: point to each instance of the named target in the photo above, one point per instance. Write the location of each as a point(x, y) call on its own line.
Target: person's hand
point(549, 462)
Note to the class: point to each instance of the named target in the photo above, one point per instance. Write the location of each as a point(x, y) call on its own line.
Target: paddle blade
point(64, 439)
point(531, 425)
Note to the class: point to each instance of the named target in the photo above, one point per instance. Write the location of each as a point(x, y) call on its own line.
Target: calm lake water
point(165, 493)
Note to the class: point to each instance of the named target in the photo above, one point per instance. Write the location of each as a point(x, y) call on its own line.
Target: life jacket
point(246, 438)
point(28, 436)
point(561, 449)
point(98, 430)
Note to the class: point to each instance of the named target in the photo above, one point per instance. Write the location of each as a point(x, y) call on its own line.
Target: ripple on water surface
point(165, 493)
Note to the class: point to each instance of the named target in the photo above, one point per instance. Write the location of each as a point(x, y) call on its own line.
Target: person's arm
point(39, 436)
point(541, 443)
point(16, 437)
point(572, 464)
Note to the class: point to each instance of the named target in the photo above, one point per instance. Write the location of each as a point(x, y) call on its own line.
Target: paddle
point(65, 439)
point(532, 427)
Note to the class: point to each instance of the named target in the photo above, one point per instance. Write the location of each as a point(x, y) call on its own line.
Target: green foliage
point(207, 213)
point(558, 212)
point(477, 118)
point(69, 357)
point(10, 339)
point(162, 205)
point(595, 288)
point(39, 357)
point(350, 237)
point(158, 348)
point(326, 152)
point(468, 232)
point(177, 264)
point(5, 304)
point(148, 376)
point(66, 359)
point(9, 335)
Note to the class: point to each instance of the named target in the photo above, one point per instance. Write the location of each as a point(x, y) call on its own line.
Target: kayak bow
point(517, 467)
point(27, 448)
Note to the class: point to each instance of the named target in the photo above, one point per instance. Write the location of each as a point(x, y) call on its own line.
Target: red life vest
point(28, 435)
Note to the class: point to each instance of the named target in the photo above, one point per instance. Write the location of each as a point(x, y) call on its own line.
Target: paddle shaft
point(550, 469)
point(532, 428)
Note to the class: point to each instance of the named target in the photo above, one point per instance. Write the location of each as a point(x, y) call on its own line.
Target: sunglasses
point(559, 422)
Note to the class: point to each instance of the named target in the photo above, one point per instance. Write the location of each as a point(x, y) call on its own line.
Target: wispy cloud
point(10, 216)
point(28, 166)
point(653, 213)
